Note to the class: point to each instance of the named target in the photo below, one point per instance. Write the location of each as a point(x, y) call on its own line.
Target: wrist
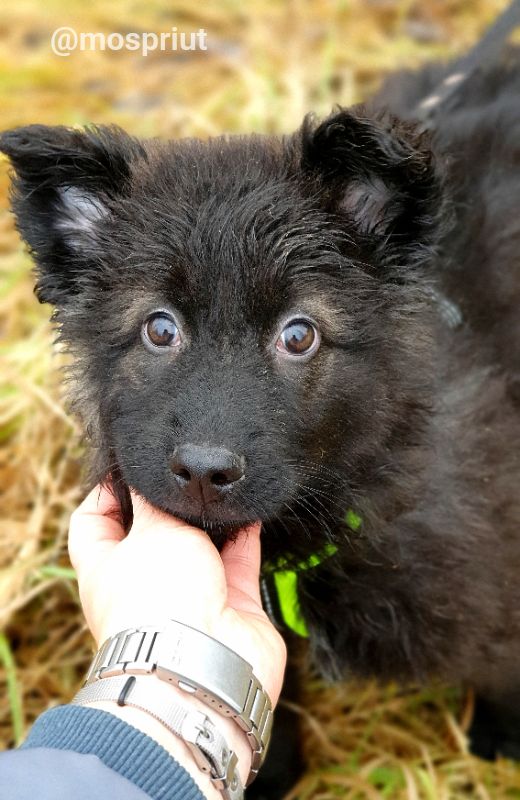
point(145, 722)
point(197, 688)
point(173, 745)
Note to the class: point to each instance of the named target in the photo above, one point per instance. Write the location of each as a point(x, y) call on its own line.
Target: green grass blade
point(13, 692)
point(55, 571)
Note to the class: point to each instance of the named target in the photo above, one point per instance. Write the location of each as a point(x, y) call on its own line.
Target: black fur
point(358, 222)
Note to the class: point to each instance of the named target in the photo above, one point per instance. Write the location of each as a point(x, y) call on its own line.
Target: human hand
point(165, 569)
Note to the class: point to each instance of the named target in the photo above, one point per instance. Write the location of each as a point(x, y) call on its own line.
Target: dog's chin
point(219, 531)
point(220, 526)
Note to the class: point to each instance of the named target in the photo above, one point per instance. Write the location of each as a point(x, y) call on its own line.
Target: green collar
point(286, 581)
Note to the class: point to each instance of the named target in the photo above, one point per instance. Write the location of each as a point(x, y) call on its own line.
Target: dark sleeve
point(85, 753)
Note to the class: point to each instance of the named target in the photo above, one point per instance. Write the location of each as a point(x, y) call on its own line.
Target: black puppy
point(259, 332)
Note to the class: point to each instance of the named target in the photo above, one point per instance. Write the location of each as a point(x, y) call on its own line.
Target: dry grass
point(265, 67)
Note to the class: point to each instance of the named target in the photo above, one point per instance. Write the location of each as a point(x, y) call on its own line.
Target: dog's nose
point(205, 473)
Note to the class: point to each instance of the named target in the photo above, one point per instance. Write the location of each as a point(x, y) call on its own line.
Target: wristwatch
point(205, 742)
point(198, 665)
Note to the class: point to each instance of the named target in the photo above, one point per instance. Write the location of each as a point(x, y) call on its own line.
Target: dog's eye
point(298, 338)
point(160, 330)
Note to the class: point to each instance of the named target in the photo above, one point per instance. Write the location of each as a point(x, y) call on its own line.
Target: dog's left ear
point(379, 174)
point(64, 183)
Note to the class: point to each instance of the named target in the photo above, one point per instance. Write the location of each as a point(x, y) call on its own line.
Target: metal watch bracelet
point(199, 665)
point(205, 742)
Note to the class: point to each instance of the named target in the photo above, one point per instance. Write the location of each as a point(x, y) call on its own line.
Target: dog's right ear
point(64, 184)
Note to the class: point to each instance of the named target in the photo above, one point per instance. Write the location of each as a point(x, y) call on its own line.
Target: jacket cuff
point(120, 746)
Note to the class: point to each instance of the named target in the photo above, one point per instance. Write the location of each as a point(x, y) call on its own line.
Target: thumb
point(241, 560)
point(94, 525)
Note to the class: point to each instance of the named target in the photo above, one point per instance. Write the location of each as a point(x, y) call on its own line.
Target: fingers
point(148, 518)
point(146, 515)
point(95, 522)
point(241, 560)
point(95, 529)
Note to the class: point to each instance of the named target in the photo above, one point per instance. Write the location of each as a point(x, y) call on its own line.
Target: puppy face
point(242, 312)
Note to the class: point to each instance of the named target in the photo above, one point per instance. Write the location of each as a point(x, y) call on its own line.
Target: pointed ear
point(64, 183)
point(378, 174)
